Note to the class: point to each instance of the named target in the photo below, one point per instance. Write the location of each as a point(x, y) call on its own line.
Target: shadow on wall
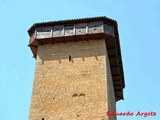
point(71, 50)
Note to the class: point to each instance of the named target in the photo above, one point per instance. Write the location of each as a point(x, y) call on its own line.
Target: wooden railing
point(73, 29)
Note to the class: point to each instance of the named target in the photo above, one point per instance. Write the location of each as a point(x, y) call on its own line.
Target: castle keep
point(79, 72)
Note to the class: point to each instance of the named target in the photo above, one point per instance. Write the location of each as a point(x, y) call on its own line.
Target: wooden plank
point(109, 28)
point(58, 30)
point(95, 27)
point(81, 28)
point(69, 29)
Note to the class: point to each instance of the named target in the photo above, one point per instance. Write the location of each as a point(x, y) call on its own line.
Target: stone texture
point(76, 89)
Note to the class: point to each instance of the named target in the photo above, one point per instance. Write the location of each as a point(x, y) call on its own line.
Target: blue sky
point(139, 29)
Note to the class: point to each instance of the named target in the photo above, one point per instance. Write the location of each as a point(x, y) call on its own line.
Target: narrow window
point(82, 94)
point(75, 95)
point(42, 118)
point(70, 58)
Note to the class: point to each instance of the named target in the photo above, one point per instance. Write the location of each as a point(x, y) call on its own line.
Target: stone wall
point(72, 82)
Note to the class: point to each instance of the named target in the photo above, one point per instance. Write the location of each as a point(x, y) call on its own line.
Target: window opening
point(70, 58)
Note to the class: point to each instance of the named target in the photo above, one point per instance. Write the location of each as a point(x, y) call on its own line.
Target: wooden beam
point(119, 97)
point(115, 75)
point(33, 46)
point(112, 56)
point(114, 66)
point(41, 43)
point(108, 48)
point(117, 85)
point(118, 90)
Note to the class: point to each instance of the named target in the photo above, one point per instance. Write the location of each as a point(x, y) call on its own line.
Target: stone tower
point(79, 72)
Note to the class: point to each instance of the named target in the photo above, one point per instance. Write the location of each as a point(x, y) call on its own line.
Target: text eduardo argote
point(138, 114)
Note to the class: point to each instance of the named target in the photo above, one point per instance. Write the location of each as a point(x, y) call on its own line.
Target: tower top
point(74, 30)
point(71, 21)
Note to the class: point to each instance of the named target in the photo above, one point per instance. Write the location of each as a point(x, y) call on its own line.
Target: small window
point(83, 95)
point(42, 118)
point(70, 58)
point(75, 95)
